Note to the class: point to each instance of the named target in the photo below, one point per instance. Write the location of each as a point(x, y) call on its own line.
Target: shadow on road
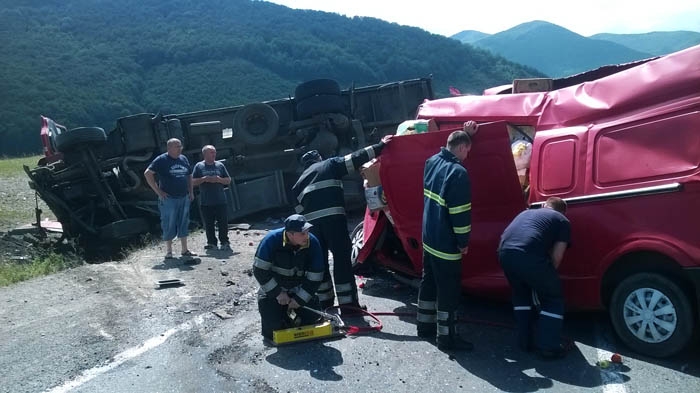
point(320, 366)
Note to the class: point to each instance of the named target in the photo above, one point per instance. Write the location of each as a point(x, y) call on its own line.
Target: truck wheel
point(652, 315)
point(80, 138)
point(256, 124)
point(124, 229)
point(316, 87)
point(357, 239)
point(320, 104)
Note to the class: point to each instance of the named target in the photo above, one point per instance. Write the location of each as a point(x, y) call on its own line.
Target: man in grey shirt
point(211, 176)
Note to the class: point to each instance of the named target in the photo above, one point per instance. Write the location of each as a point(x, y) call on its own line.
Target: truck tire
point(652, 315)
point(124, 229)
point(256, 124)
point(79, 138)
point(320, 104)
point(316, 87)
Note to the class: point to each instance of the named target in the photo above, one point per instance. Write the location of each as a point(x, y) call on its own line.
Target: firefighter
point(446, 230)
point(530, 252)
point(319, 194)
point(289, 268)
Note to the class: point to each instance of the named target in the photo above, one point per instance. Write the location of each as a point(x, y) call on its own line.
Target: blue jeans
point(174, 216)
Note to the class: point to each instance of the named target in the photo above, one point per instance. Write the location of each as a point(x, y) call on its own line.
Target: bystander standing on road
point(175, 193)
point(211, 176)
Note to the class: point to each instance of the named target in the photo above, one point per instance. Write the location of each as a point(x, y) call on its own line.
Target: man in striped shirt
point(446, 229)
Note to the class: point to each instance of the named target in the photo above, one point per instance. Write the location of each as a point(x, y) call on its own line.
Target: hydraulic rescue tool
point(332, 326)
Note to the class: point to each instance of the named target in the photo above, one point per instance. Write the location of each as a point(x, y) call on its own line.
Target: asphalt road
point(107, 328)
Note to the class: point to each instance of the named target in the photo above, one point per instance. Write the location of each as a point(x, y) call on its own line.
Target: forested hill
point(88, 62)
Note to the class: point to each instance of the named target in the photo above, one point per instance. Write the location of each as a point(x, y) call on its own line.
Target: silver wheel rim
point(357, 243)
point(650, 315)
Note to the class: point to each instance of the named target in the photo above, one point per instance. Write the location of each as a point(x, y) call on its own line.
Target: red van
point(621, 145)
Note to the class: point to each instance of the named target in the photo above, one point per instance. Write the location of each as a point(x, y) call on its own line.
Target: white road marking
point(128, 354)
point(612, 381)
point(106, 335)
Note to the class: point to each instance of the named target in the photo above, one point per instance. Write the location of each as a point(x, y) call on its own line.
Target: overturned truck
point(93, 182)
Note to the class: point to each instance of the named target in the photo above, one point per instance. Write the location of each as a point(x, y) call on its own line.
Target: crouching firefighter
point(289, 268)
point(446, 230)
point(319, 194)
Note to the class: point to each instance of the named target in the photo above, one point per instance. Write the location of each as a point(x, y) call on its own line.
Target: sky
point(585, 17)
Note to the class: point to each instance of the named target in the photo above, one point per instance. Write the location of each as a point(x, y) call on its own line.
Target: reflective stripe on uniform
point(344, 299)
point(461, 230)
point(270, 285)
point(460, 209)
point(443, 315)
point(324, 212)
point(348, 164)
point(437, 198)
point(323, 296)
point(426, 305)
point(442, 255)
point(370, 152)
point(343, 287)
point(551, 315)
point(426, 318)
point(318, 186)
point(443, 330)
point(285, 272)
point(522, 308)
point(305, 296)
point(314, 276)
point(262, 264)
point(325, 286)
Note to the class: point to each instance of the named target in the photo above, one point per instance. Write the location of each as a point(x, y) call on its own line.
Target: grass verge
point(12, 272)
point(10, 167)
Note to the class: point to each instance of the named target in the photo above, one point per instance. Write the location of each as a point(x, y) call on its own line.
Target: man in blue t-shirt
point(174, 190)
point(530, 252)
point(211, 176)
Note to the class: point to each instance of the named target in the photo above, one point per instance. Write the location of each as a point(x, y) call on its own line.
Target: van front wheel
point(652, 315)
point(357, 239)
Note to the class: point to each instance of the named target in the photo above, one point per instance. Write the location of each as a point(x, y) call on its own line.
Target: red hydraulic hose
point(353, 330)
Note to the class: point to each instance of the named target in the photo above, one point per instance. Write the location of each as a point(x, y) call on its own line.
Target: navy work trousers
point(527, 274)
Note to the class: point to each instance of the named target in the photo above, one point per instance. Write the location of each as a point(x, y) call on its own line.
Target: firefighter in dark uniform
point(319, 194)
point(289, 268)
point(530, 252)
point(446, 229)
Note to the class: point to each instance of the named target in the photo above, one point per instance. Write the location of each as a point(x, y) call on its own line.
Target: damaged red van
point(620, 144)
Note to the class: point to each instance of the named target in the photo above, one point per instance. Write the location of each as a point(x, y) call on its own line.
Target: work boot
point(426, 330)
point(427, 334)
point(453, 343)
point(552, 353)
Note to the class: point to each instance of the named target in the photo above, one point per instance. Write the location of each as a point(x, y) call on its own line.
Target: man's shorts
point(174, 216)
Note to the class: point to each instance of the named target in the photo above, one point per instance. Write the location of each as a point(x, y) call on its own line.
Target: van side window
point(557, 165)
point(650, 151)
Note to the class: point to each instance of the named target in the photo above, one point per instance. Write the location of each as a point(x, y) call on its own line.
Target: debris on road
point(169, 282)
point(221, 313)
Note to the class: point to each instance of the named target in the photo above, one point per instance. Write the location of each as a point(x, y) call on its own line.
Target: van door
point(496, 199)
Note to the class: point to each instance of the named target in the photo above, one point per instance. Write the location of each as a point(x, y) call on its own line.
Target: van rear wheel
point(652, 315)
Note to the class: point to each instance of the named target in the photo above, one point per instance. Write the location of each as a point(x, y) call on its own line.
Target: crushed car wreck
point(92, 180)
